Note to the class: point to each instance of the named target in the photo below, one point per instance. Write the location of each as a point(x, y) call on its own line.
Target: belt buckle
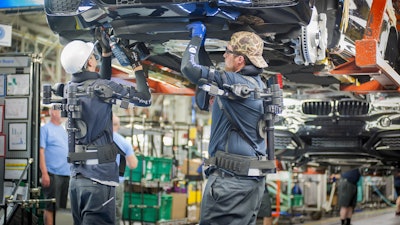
point(262, 158)
point(91, 161)
point(80, 148)
point(254, 172)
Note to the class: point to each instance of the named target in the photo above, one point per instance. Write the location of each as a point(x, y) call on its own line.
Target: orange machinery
point(368, 59)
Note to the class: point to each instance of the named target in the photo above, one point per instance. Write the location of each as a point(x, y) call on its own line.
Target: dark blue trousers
point(231, 200)
point(92, 203)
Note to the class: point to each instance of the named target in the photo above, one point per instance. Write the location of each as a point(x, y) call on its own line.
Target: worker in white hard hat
point(94, 171)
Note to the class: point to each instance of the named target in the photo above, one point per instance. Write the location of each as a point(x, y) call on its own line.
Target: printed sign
point(20, 3)
point(5, 35)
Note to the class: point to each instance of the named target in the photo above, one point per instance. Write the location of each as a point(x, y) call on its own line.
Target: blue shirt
point(352, 176)
point(397, 181)
point(54, 140)
point(125, 146)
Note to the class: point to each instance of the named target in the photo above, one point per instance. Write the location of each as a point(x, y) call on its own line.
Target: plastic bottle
point(118, 52)
point(297, 195)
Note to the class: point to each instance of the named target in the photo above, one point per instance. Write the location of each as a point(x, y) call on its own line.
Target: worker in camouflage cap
point(249, 44)
point(234, 128)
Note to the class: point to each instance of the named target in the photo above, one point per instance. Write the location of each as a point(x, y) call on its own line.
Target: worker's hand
point(198, 29)
point(133, 57)
point(45, 180)
point(103, 38)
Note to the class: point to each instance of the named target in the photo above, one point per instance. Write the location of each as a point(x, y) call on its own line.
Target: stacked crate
point(150, 169)
point(147, 202)
point(146, 207)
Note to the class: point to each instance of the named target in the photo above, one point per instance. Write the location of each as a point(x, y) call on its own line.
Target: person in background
point(397, 188)
point(94, 178)
point(265, 211)
point(229, 197)
point(131, 162)
point(55, 170)
point(347, 194)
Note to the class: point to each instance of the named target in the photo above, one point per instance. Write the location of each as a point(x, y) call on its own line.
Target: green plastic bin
point(154, 168)
point(145, 210)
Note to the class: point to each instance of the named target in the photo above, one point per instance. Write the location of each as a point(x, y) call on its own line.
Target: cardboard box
point(193, 167)
point(179, 203)
point(334, 199)
point(193, 213)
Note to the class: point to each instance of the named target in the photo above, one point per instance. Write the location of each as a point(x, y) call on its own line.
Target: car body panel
point(147, 20)
point(306, 41)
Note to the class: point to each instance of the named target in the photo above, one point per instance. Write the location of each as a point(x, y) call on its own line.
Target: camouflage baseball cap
point(250, 45)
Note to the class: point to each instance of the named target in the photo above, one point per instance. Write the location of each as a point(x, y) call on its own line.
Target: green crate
point(150, 168)
point(139, 172)
point(134, 174)
point(163, 169)
point(148, 212)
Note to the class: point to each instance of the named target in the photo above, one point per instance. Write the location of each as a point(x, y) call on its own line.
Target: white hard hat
point(75, 54)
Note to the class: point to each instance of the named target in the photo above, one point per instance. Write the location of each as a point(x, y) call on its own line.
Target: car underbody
point(338, 59)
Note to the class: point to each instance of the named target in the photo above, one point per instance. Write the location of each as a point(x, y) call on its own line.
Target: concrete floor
point(384, 216)
point(64, 217)
point(369, 216)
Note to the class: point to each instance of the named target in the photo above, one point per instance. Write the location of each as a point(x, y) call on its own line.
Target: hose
point(380, 194)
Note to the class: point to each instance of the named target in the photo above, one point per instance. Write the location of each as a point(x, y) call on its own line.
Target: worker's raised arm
point(104, 41)
point(141, 95)
point(190, 66)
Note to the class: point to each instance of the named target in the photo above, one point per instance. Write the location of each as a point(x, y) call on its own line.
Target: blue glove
point(198, 29)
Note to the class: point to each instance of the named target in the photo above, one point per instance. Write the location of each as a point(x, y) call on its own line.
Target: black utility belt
point(242, 165)
point(92, 155)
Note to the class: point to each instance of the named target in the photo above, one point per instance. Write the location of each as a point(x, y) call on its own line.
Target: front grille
point(335, 142)
point(336, 123)
point(319, 108)
point(135, 2)
point(352, 107)
point(393, 142)
point(62, 6)
point(283, 142)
